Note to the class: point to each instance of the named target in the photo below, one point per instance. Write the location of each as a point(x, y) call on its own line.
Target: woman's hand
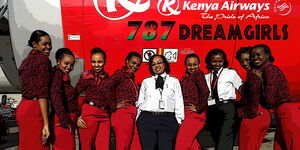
point(191, 107)
point(122, 104)
point(45, 134)
point(80, 122)
point(240, 112)
point(71, 128)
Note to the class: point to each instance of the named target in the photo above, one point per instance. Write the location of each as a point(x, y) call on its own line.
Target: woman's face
point(66, 63)
point(245, 61)
point(217, 61)
point(192, 64)
point(259, 57)
point(133, 63)
point(158, 65)
point(98, 62)
point(44, 45)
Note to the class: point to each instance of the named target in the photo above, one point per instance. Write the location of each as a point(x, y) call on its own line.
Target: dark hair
point(266, 49)
point(191, 55)
point(215, 52)
point(61, 52)
point(128, 57)
point(242, 50)
point(36, 36)
point(167, 65)
point(96, 50)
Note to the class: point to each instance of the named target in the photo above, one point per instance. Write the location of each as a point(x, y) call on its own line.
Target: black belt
point(225, 101)
point(128, 102)
point(286, 101)
point(34, 98)
point(252, 115)
point(94, 104)
point(154, 113)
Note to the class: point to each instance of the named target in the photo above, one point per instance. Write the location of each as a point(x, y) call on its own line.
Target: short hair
point(242, 50)
point(191, 55)
point(167, 65)
point(61, 52)
point(266, 49)
point(215, 52)
point(96, 50)
point(131, 54)
point(36, 36)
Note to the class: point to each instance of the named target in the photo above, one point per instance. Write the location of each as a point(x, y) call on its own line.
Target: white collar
point(162, 75)
point(219, 71)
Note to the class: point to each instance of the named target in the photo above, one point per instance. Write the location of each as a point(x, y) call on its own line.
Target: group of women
point(266, 88)
point(163, 113)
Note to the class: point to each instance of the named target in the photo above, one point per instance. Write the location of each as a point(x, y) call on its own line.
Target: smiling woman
point(195, 93)
point(255, 119)
point(277, 96)
point(63, 101)
point(160, 107)
point(126, 93)
point(93, 118)
point(222, 82)
point(35, 93)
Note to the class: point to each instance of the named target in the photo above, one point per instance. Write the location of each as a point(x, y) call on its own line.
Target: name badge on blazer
point(211, 101)
point(161, 104)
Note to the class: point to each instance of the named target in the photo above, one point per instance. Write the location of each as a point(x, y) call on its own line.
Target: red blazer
point(195, 90)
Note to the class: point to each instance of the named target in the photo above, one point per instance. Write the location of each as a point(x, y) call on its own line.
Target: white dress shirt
point(171, 95)
point(228, 81)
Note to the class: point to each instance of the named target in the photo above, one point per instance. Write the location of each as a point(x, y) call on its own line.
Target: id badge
point(211, 101)
point(161, 104)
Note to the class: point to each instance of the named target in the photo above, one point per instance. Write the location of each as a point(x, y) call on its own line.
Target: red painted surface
point(80, 17)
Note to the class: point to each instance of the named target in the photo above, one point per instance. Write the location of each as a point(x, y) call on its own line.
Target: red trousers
point(97, 134)
point(62, 139)
point(30, 122)
point(188, 131)
point(123, 123)
point(253, 131)
point(287, 134)
point(136, 143)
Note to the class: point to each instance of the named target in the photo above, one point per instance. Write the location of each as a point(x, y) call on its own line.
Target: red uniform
point(256, 119)
point(123, 119)
point(95, 111)
point(35, 73)
point(194, 91)
point(277, 96)
point(65, 105)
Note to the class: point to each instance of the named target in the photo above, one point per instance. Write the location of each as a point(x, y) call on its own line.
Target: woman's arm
point(43, 93)
point(142, 93)
point(270, 77)
point(113, 80)
point(179, 106)
point(44, 109)
point(81, 85)
point(236, 81)
point(57, 101)
point(203, 92)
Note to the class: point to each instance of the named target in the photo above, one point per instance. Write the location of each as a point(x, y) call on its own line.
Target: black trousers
point(222, 124)
point(157, 131)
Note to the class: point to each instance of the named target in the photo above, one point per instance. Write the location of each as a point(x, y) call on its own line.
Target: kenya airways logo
point(168, 7)
point(126, 4)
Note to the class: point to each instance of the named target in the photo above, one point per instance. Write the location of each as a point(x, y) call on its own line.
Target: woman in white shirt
point(160, 107)
point(222, 83)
